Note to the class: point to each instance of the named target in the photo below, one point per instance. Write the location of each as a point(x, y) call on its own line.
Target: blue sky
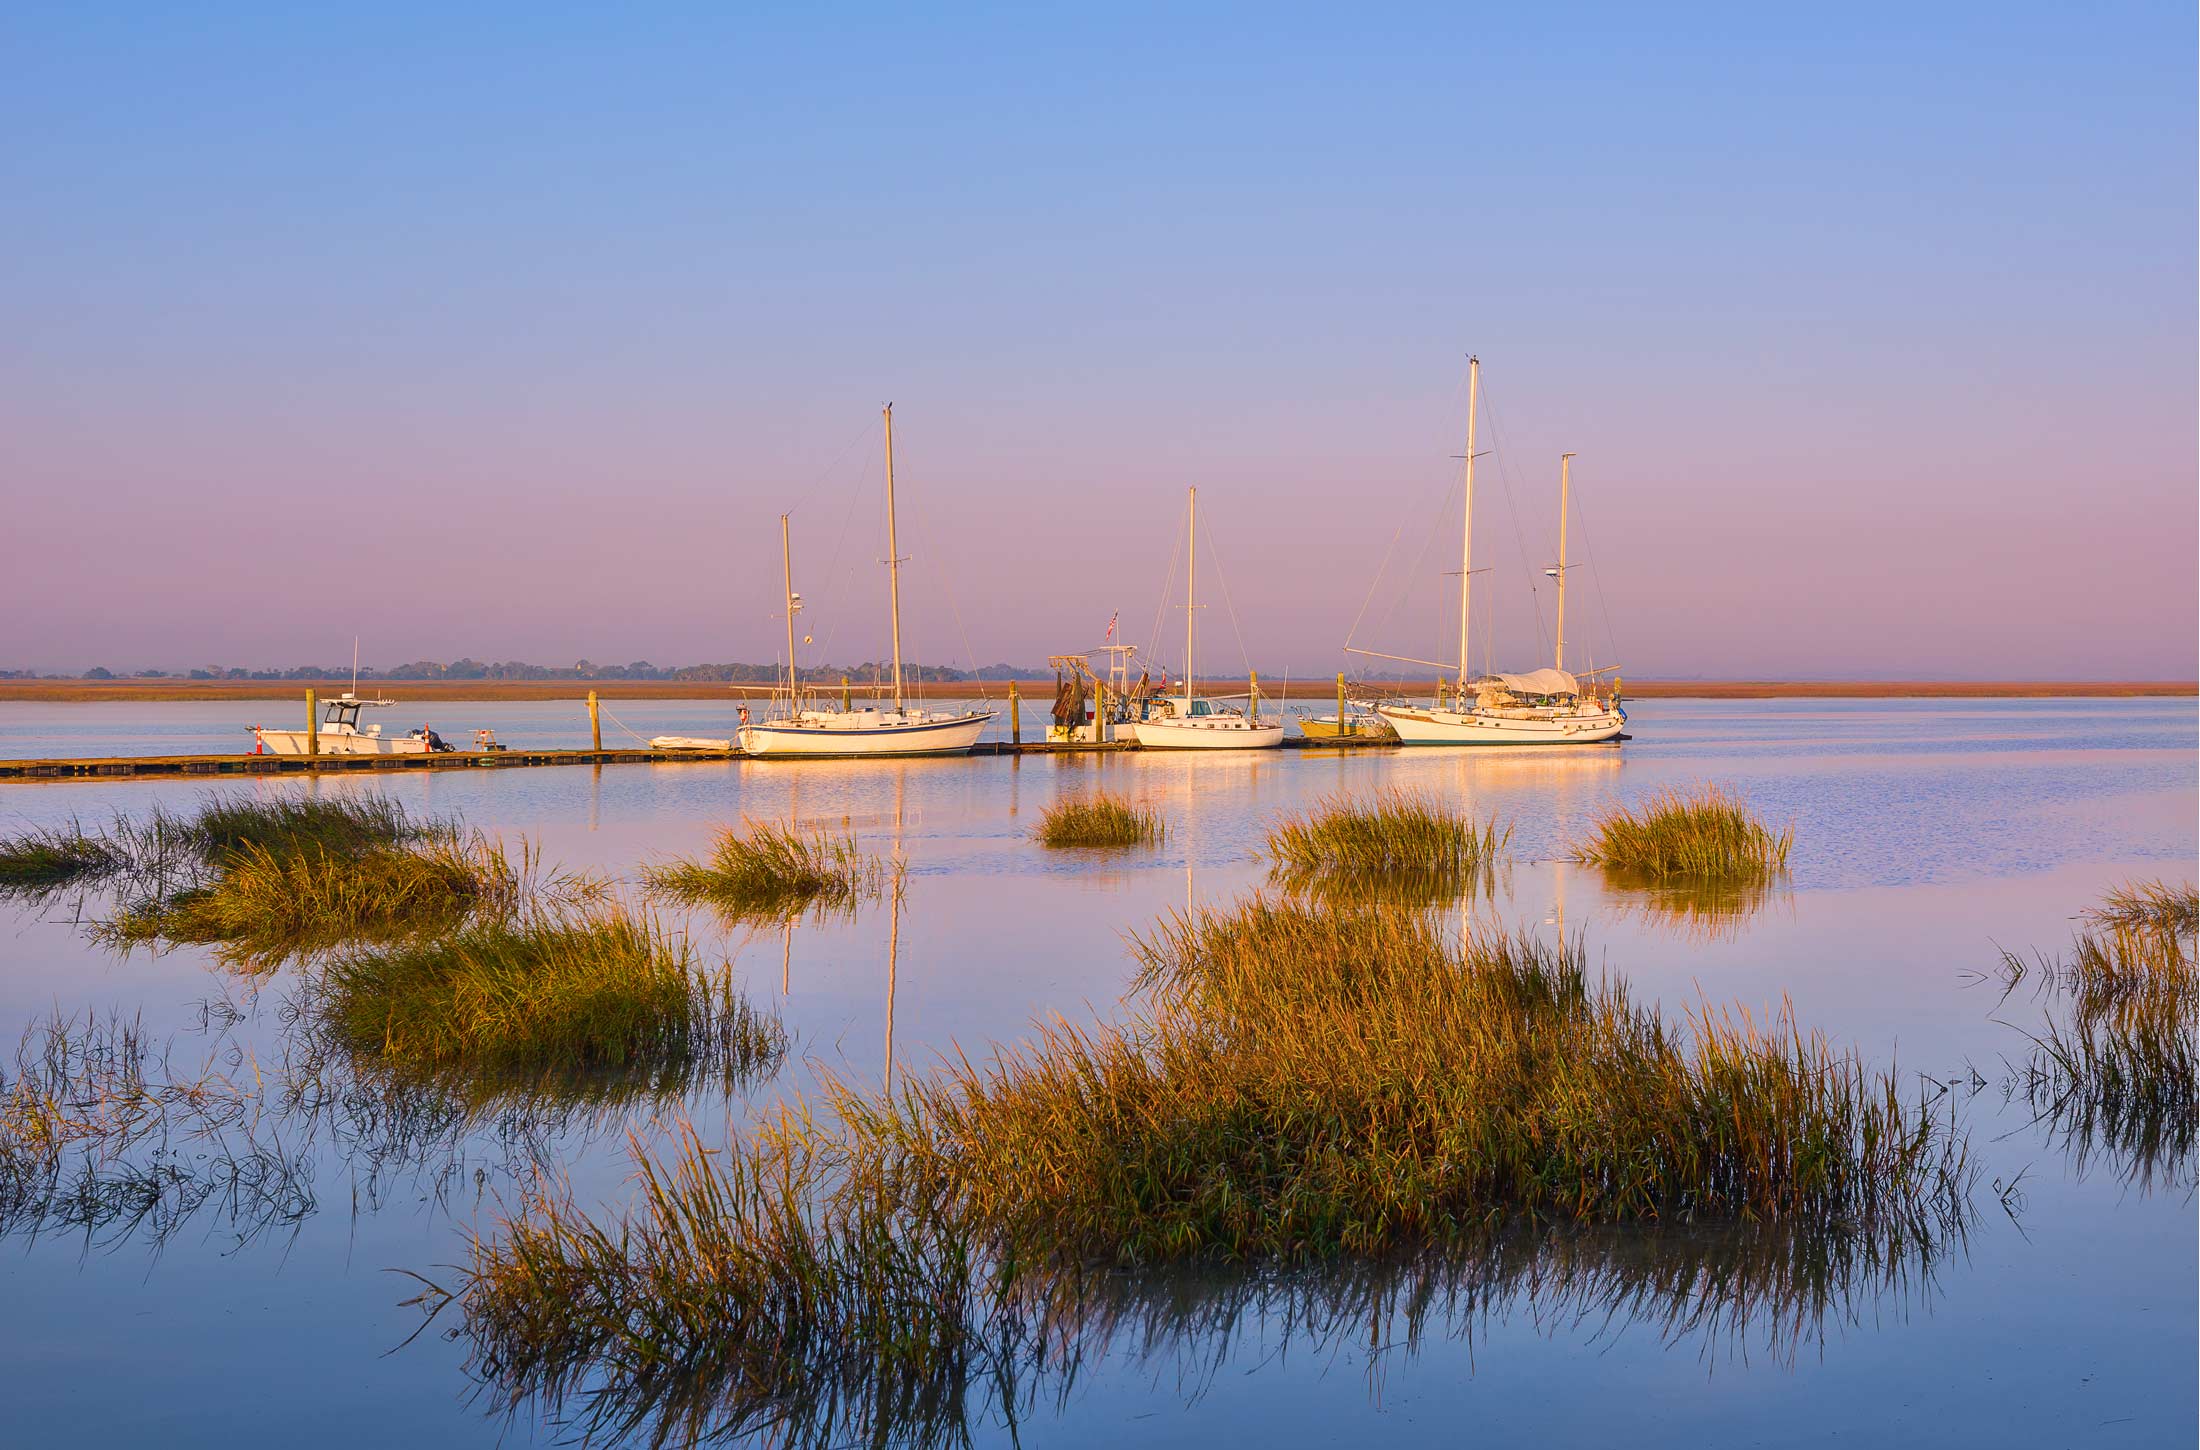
point(1873, 328)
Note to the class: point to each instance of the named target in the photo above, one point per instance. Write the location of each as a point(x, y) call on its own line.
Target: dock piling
point(595, 725)
point(1015, 717)
point(1340, 705)
point(313, 726)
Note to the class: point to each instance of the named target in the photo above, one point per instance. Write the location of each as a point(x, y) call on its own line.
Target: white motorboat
point(1187, 723)
point(1541, 707)
point(798, 730)
point(341, 733)
point(688, 742)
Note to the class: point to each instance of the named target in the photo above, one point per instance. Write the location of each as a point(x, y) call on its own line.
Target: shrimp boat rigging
point(1541, 707)
point(1186, 723)
point(868, 731)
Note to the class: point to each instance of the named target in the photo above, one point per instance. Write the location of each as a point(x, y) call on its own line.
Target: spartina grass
point(275, 824)
point(47, 858)
point(551, 991)
point(1706, 834)
point(1099, 820)
point(771, 869)
point(271, 904)
point(2112, 1071)
point(1699, 910)
point(2149, 906)
point(1394, 841)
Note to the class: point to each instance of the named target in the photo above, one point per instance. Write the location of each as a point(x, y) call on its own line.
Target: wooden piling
point(1340, 704)
point(595, 725)
point(1252, 697)
point(843, 691)
point(313, 725)
point(1015, 717)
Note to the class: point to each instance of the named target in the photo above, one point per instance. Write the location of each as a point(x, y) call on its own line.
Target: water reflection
point(1737, 1293)
point(1695, 911)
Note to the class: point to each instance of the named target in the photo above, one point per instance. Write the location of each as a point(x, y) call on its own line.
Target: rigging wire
point(945, 577)
point(1215, 559)
point(1504, 478)
point(1588, 550)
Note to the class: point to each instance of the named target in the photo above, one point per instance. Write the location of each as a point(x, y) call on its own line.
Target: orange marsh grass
point(1707, 834)
point(1099, 821)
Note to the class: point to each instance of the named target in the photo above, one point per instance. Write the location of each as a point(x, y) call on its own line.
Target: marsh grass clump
point(1707, 835)
point(49, 857)
point(1699, 910)
point(1315, 1080)
point(772, 869)
point(751, 1289)
point(272, 904)
point(1099, 821)
point(1327, 1098)
point(551, 991)
point(278, 825)
point(2113, 1068)
point(1393, 839)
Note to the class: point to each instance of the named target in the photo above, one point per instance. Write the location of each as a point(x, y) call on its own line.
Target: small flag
point(1111, 624)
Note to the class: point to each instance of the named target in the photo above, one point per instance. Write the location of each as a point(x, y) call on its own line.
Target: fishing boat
point(1355, 722)
point(341, 733)
point(1185, 722)
point(1097, 706)
point(1540, 707)
point(870, 730)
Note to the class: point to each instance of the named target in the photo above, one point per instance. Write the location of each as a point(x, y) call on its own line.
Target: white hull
point(688, 742)
point(1204, 733)
point(293, 742)
point(1453, 727)
point(865, 732)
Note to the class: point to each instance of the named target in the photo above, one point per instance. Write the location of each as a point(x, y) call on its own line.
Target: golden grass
point(1099, 820)
point(552, 991)
point(771, 870)
point(1393, 842)
point(1705, 834)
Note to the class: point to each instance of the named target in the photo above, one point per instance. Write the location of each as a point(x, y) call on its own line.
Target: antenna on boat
point(355, 665)
point(1191, 575)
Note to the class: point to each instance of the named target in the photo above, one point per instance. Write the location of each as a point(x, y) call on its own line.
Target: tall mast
point(786, 572)
point(1565, 480)
point(1191, 574)
point(1466, 537)
point(893, 555)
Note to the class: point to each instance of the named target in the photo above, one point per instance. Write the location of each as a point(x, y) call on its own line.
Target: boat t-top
point(341, 733)
point(1183, 722)
point(1541, 707)
point(800, 730)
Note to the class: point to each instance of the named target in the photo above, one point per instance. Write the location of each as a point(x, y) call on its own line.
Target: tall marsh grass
point(1099, 820)
point(43, 858)
point(1706, 834)
point(1392, 839)
point(549, 992)
point(771, 869)
point(274, 904)
point(2113, 1069)
point(1303, 1084)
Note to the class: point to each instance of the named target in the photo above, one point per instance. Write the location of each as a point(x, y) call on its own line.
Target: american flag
point(1111, 624)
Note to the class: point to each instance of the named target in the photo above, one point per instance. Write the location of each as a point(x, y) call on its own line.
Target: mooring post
point(595, 725)
point(843, 692)
point(1015, 719)
point(1252, 697)
point(313, 726)
point(1099, 711)
point(1340, 705)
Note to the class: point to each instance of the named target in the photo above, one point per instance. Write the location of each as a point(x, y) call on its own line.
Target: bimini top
point(1540, 682)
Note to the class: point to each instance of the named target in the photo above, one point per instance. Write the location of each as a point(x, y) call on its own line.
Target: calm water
point(1929, 835)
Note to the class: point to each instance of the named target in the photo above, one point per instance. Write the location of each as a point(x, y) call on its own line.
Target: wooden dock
point(151, 767)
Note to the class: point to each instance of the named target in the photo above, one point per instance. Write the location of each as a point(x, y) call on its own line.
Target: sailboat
point(870, 730)
point(1186, 723)
point(1541, 707)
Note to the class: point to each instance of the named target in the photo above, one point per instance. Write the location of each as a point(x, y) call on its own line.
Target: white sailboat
point(1540, 707)
point(870, 730)
point(1186, 723)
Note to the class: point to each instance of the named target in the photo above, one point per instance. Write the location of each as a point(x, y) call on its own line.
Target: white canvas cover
point(1541, 682)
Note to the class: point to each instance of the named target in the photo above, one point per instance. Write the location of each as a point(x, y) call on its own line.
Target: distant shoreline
point(427, 691)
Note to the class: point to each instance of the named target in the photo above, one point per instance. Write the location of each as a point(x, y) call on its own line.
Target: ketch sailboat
point(1540, 707)
point(1186, 723)
point(870, 730)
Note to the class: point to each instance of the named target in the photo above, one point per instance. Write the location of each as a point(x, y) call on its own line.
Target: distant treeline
point(472, 669)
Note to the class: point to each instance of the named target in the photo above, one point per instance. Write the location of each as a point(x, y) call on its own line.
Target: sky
point(511, 331)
